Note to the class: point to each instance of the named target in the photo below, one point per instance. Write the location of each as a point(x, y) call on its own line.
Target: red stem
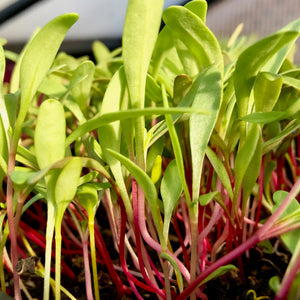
point(11, 225)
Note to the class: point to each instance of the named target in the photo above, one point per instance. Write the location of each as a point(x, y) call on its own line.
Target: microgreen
point(185, 150)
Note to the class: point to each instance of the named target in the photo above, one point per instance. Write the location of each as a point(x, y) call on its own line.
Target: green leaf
point(290, 238)
point(163, 45)
point(127, 114)
point(109, 134)
point(140, 176)
point(274, 64)
point(100, 52)
point(3, 152)
point(4, 118)
point(182, 85)
point(67, 182)
point(11, 103)
point(52, 88)
point(37, 60)
point(206, 198)
point(153, 92)
point(4, 123)
point(245, 159)
point(170, 189)
point(264, 117)
point(168, 257)
point(81, 91)
point(275, 142)
point(15, 76)
point(85, 161)
point(139, 35)
point(198, 7)
point(267, 89)
point(217, 273)
point(26, 157)
point(252, 171)
point(249, 63)
point(177, 149)
point(206, 92)
point(155, 150)
point(290, 81)
point(274, 284)
point(220, 169)
point(156, 169)
point(20, 175)
point(187, 27)
point(50, 133)
point(88, 197)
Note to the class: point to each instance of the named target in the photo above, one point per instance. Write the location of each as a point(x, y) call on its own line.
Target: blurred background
point(103, 19)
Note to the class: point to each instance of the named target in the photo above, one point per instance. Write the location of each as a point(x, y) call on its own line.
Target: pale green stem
point(167, 280)
point(93, 257)
point(58, 220)
point(49, 238)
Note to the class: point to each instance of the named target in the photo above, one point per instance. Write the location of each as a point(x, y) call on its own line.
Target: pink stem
point(87, 272)
point(139, 213)
point(287, 280)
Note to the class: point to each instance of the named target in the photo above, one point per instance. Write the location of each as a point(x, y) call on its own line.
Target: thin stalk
point(3, 238)
point(165, 267)
point(139, 212)
point(194, 254)
point(290, 274)
point(93, 257)
point(84, 243)
point(11, 223)
point(48, 251)
point(87, 272)
point(122, 253)
point(58, 220)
